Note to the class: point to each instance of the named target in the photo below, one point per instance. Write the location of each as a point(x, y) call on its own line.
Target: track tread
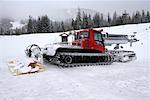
point(59, 63)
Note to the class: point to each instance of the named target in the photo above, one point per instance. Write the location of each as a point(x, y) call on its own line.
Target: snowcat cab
point(90, 39)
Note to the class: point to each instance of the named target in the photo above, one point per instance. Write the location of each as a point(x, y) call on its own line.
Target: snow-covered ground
point(119, 81)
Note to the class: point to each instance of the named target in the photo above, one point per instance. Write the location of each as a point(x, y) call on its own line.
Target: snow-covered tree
point(96, 20)
point(30, 25)
point(90, 22)
point(114, 18)
point(143, 19)
point(84, 21)
point(45, 24)
point(78, 19)
point(119, 21)
point(137, 18)
point(51, 27)
point(38, 25)
point(125, 17)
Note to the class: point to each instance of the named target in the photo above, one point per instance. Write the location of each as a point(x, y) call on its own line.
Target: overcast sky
point(21, 9)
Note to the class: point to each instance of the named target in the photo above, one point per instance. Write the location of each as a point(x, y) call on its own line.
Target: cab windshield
point(98, 38)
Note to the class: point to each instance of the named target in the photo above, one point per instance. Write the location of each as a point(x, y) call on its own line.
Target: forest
point(43, 24)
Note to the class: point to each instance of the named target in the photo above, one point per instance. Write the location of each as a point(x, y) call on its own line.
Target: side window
point(97, 36)
point(83, 35)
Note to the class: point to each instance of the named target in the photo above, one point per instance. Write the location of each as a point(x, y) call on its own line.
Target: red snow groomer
point(88, 48)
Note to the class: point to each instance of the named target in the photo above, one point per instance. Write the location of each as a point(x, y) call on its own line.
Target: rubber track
point(58, 63)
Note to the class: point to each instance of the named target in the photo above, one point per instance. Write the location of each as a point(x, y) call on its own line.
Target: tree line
point(43, 24)
point(83, 20)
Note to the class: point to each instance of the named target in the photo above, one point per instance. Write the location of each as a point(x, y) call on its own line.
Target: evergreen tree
point(114, 18)
point(1, 31)
point(38, 25)
point(96, 20)
point(129, 20)
point(34, 26)
point(73, 24)
point(102, 23)
point(84, 21)
point(137, 18)
point(90, 22)
point(45, 24)
point(132, 18)
point(125, 17)
point(119, 20)
point(148, 17)
point(78, 20)
point(143, 20)
point(24, 29)
point(109, 19)
point(30, 25)
point(62, 27)
point(18, 31)
point(51, 27)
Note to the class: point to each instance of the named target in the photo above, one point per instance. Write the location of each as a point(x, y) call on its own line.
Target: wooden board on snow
point(17, 69)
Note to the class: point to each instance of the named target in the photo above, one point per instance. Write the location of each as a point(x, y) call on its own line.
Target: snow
point(119, 81)
point(16, 25)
